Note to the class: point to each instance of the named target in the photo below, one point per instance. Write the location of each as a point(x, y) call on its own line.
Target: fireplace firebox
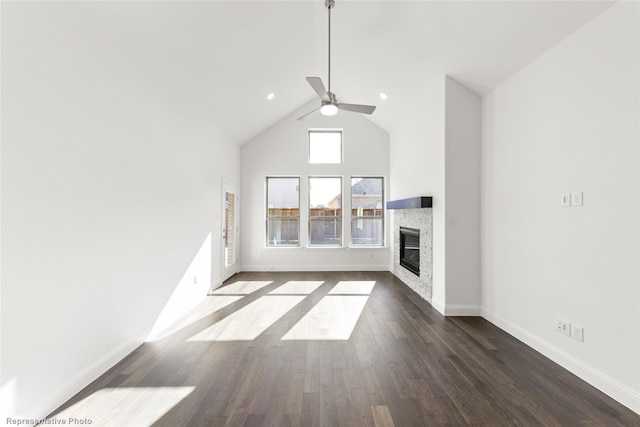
point(410, 249)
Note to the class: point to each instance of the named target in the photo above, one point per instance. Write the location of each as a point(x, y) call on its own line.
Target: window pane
point(367, 231)
point(325, 231)
point(325, 211)
point(367, 204)
point(283, 193)
point(283, 232)
point(283, 211)
point(325, 193)
point(325, 147)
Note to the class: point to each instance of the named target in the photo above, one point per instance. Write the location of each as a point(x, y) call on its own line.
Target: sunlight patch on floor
point(250, 321)
point(333, 318)
point(244, 287)
point(353, 287)
point(208, 306)
point(125, 406)
point(297, 287)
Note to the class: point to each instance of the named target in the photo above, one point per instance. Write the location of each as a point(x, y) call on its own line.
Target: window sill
point(327, 248)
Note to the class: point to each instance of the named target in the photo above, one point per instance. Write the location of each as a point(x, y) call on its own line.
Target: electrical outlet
point(195, 280)
point(563, 327)
point(577, 333)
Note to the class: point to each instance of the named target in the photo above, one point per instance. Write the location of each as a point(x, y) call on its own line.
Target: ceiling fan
point(329, 104)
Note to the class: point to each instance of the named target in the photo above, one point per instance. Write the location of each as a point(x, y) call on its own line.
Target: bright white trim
point(623, 394)
point(215, 286)
point(323, 267)
point(49, 404)
point(324, 248)
point(462, 310)
point(438, 305)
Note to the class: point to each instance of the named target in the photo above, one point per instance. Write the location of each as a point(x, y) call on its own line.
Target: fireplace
point(412, 221)
point(410, 249)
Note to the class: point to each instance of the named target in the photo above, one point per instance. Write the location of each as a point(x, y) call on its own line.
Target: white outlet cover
point(565, 200)
point(563, 327)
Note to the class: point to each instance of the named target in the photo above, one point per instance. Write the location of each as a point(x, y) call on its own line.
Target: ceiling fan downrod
point(329, 104)
point(329, 4)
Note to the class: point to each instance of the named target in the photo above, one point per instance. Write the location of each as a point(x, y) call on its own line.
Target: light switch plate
point(565, 200)
point(576, 199)
point(577, 333)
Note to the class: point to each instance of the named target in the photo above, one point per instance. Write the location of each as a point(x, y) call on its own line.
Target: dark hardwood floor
point(404, 364)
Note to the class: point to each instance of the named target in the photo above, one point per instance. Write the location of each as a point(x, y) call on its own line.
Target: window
point(325, 211)
point(325, 146)
point(283, 211)
point(367, 203)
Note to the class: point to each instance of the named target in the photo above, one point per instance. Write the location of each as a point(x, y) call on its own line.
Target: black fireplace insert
point(410, 249)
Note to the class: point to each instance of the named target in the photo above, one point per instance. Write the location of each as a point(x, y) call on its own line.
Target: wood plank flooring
point(401, 364)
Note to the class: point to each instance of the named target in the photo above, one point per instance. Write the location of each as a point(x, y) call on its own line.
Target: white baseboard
point(84, 378)
point(462, 310)
point(297, 267)
point(623, 394)
point(455, 310)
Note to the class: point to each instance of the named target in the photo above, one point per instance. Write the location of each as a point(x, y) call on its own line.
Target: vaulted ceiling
point(221, 59)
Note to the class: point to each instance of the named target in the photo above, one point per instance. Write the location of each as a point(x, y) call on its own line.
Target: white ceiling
point(220, 59)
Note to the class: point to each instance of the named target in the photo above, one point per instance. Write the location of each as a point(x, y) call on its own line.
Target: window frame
point(341, 209)
point(269, 217)
point(355, 217)
point(325, 130)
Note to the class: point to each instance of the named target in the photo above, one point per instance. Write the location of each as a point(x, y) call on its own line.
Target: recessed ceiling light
point(271, 95)
point(383, 96)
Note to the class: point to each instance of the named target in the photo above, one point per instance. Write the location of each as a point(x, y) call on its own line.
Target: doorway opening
point(229, 230)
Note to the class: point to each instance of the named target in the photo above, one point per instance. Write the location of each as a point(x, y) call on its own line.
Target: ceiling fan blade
point(309, 113)
point(318, 86)
point(365, 109)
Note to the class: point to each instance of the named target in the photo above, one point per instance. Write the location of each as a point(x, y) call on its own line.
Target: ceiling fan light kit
point(328, 109)
point(329, 104)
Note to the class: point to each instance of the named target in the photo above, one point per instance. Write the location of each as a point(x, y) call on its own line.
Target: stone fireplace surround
point(421, 219)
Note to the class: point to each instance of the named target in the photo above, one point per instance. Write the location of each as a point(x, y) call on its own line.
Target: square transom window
point(325, 147)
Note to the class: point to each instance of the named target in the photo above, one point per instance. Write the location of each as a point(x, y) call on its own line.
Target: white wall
point(110, 187)
point(283, 150)
point(569, 122)
point(417, 168)
point(462, 187)
point(438, 154)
